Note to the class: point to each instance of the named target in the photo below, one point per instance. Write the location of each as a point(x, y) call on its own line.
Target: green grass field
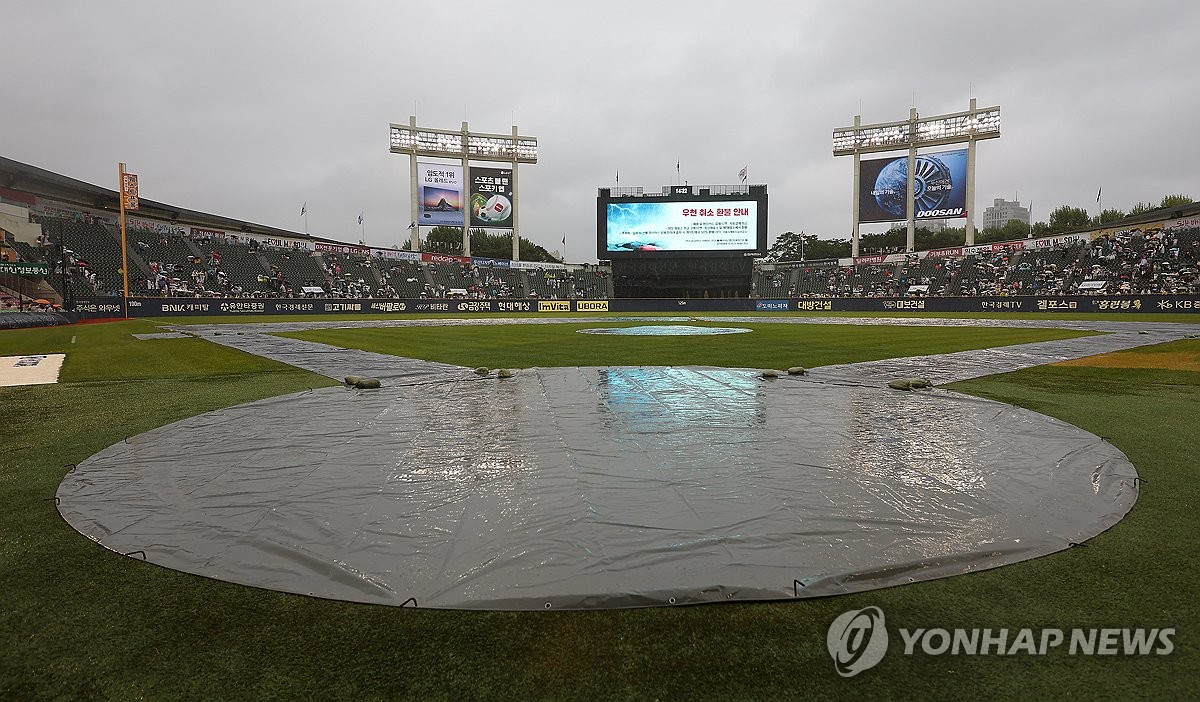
point(79, 622)
point(767, 346)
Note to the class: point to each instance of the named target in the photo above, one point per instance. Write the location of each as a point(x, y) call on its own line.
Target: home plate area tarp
point(581, 488)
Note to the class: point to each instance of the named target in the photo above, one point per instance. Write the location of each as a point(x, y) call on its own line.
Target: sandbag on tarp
point(910, 384)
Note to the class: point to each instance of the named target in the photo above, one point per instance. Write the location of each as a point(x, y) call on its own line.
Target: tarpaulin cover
point(25, 320)
point(576, 488)
point(609, 487)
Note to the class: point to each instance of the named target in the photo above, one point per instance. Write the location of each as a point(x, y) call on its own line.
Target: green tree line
point(448, 240)
point(793, 246)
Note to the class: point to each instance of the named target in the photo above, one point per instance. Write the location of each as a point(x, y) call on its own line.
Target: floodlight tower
point(940, 130)
point(466, 146)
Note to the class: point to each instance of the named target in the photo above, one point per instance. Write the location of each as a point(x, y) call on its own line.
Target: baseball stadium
point(245, 462)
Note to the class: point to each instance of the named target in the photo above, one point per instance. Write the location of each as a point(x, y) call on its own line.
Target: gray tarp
point(604, 487)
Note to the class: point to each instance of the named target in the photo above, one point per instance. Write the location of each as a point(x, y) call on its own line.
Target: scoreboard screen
point(681, 224)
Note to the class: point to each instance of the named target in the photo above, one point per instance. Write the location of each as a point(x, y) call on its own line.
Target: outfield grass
point(1180, 317)
point(767, 346)
point(78, 622)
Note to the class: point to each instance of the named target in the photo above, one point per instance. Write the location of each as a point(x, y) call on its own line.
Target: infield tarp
point(576, 488)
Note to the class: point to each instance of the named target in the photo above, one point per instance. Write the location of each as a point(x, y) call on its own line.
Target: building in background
point(1004, 211)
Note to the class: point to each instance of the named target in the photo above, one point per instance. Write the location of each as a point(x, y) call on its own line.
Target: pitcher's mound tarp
point(580, 488)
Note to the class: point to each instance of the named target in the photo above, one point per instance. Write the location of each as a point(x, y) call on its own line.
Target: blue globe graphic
point(891, 187)
point(932, 185)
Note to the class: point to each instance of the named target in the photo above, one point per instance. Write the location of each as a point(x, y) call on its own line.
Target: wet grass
point(767, 346)
point(79, 622)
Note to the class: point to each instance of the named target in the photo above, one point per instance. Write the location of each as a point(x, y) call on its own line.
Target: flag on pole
point(618, 176)
point(360, 214)
point(413, 225)
point(304, 208)
point(129, 190)
point(1098, 193)
point(744, 173)
point(564, 239)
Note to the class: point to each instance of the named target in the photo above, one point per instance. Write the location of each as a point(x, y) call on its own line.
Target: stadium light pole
point(970, 126)
point(466, 146)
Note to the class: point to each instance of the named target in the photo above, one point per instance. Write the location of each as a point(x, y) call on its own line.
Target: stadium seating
point(94, 253)
point(301, 268)
point(407, 278)
point(455, 276)
point(546, 284)
point(776, 283)
point(1132, 262)
point(243, 266)
point(592, 283)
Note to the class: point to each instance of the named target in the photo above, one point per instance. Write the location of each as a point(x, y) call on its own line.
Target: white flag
point(744, 173)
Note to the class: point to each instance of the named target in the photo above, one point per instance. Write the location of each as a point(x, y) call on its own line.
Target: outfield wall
point(183, 306)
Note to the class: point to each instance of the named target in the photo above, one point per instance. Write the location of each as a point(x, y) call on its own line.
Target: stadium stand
point(1151, 262)
point(172, 261)
point(300, 268)
point(448, 277)
point(93, 254)
point(778, 282)
point(546, 284)
point(499, 282)
point(242, 265)
point(406, 278)
point(592, 283)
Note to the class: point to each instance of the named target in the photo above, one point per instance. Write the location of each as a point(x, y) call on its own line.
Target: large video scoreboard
point(683, 221)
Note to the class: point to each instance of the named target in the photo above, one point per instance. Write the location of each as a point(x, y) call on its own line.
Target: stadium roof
point(39, 181)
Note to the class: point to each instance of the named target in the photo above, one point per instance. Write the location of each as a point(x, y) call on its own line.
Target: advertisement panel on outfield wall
point(159, 307)
point(440, 194)
point(492, 200)
point(939, 187)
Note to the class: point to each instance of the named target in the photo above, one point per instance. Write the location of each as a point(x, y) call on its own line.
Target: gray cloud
point(250, 109)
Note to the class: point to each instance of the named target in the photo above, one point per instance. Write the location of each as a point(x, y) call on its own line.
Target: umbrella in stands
point(41, 301)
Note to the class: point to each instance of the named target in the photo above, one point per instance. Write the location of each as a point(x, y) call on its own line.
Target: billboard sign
point(24, 268)
point(440, 194)
point(492, 201)
point(691, 225)
point(939, 185)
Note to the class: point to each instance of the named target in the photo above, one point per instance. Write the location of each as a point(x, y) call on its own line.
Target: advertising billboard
point(939, 187)
point(492, 201)
point(440, 194)
point(720, 225)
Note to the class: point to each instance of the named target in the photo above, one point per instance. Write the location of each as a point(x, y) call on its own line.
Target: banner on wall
point(158, 307)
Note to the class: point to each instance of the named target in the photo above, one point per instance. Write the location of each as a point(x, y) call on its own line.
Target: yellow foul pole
point(124, 251)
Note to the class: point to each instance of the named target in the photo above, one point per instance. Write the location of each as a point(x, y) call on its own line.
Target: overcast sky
point(248, 109)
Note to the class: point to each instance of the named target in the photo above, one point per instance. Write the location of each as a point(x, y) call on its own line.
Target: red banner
point(443, 258)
